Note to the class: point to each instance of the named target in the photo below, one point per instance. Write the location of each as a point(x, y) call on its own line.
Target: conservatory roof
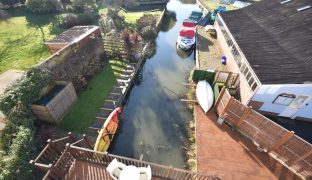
point(72, 34)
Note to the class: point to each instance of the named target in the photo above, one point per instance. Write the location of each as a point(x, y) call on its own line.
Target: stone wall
point(80, 58)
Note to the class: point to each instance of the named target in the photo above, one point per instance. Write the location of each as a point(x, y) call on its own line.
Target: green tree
point(12, 2)
point(149, 33)
point(81, 5)
point(43, 6)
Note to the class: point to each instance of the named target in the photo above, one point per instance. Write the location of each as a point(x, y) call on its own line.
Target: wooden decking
point(230, 155)
point(87, 171)
point(208, 55)
point(90, 171)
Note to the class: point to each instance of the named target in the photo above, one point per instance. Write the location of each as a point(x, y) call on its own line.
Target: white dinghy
point(204, 95)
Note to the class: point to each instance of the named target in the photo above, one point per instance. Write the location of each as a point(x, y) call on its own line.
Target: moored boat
point(195, 16)
point(204, 95)
point(108, 131)
point(186, 38)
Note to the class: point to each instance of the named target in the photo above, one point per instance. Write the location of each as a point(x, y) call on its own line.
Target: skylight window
point(303, 8)
point(286, 1)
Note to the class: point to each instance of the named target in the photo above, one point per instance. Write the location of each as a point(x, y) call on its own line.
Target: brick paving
point(229, 155)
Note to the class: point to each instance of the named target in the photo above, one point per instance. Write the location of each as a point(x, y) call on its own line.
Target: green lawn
point(83, 113)
point(22, 39)
point(131, 17)
point(211, 5)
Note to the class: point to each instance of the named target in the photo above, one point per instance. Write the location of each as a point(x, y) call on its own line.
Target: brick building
point(269, 44)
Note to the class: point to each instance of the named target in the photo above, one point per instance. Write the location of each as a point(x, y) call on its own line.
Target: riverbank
point(106, 90)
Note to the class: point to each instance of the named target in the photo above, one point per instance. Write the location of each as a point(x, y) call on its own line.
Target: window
point(251, 81)
point(248, 76)
point(246, 71)
point(254, 86)
point(284, 99)
point(242, 67)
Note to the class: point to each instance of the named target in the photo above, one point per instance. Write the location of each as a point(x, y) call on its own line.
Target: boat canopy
point(188, 23)
point(187, 32)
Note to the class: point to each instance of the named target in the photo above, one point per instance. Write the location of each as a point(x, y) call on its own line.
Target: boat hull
point(204, 95)
point(107, 132)
point(185, 46)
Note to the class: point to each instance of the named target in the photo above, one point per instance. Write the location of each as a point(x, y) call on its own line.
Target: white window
point(284, 99)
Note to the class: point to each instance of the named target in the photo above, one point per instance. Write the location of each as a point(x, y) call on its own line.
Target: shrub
point(17, 136)
point(199, 75)
point(11, 2)
point(119, 21)
point(16, 165)
point(43, 6)
point(149, 33)
point(69, 20)
point(80, 6)
point(24, 92)
point(146, 20)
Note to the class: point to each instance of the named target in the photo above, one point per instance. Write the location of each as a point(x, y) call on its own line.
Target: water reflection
point(169, 21)
point(188, 1)
point(184, 54)
point(153, 121)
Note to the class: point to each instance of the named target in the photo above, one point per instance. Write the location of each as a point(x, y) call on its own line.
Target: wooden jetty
point(117, 96)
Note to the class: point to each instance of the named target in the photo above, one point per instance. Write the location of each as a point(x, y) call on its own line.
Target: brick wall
point(79, 58)
point(245, 91)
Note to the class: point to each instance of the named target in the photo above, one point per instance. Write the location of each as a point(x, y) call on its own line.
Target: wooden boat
point(108, 131)
point(204, 95)
point(186, 38)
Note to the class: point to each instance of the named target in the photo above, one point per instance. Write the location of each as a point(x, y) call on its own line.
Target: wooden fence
point(71, 152)
point(278, 142)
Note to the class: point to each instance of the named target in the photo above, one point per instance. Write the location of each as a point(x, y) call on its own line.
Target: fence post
point(228, 79)
point(243, 117)
point(301, 158)
point(71, 136)
point(226, 107)
point(220, 97)
point(281, 141)
point(87, 140)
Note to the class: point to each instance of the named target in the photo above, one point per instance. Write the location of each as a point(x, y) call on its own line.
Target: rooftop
point(71, 35)
point(275, 38)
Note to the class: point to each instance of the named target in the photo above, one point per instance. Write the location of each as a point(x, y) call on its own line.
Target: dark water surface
point(154, 121)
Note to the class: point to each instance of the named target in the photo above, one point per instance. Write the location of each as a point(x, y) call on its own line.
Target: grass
point(83, 113)
point(212, 5)
point(22, 39)
point(132, 17)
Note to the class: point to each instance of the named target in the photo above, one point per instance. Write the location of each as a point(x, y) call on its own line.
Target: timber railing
point(281, 144)
point(61, 167)
point(52, 152)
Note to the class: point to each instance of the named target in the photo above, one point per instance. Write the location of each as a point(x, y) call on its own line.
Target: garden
point(25, 26)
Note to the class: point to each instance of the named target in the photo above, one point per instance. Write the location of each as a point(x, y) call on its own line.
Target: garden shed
point(78, 34)
point(56, 102)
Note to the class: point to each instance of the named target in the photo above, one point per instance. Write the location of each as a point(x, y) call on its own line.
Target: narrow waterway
point(154, 121)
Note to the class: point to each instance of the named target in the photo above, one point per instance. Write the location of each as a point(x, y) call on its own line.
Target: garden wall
point(81, 57)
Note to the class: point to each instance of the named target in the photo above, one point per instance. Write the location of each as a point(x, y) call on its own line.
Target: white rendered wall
point(268, 93)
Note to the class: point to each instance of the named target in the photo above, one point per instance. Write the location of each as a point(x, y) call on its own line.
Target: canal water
point(154, 121)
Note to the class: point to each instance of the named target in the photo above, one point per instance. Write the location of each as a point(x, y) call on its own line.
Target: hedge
point(17, 137)
point(199, 75)
point(16, 166)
